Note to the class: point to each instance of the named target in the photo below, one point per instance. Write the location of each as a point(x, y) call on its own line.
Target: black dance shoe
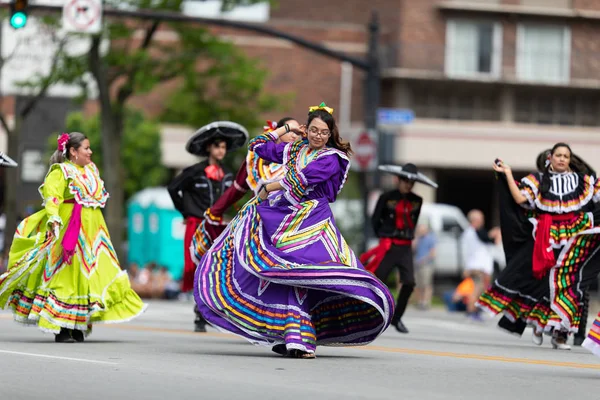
point(77, 335)
point(64, 336)
point(400, 327)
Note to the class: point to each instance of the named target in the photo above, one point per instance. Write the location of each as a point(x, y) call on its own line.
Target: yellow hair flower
point(321, 106)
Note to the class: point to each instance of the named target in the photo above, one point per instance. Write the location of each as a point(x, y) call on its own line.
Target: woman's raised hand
point(499, 166)
point(300, 130)
point(294, 125)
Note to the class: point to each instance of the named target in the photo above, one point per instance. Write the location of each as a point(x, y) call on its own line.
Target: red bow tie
point(214, 172)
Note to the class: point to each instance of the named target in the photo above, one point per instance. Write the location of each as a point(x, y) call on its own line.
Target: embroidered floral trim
point(294, 185)
point(84, 184)
point(290, 159)
point(596, 198)
point(574, 201)
point(52, 200)
point(260, 140)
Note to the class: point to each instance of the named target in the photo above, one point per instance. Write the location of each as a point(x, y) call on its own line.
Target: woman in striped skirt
point(281, 274)
point(551, 242)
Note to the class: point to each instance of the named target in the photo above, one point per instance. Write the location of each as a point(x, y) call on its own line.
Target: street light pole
point(369, 180)
point(372, 81)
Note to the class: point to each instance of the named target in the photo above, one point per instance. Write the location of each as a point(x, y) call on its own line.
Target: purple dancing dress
point(281, 272)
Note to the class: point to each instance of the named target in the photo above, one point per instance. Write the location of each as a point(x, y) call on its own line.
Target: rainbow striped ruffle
point(592, 342)
point(291, 280)
point(45, 291)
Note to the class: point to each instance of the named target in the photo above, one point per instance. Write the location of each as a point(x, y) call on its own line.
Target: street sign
point(82, 16)
point(365, 151)
point(395, 116)
point(259, 12)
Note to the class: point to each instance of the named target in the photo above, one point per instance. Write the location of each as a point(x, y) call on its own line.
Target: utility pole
point(370, 65)
point(370, 181)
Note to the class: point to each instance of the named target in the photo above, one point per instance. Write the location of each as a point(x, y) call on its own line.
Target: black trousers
point(400, 257)
point(581, 333)
point(199, 318)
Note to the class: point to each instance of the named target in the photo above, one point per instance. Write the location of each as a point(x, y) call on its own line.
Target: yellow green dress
point(45, 290)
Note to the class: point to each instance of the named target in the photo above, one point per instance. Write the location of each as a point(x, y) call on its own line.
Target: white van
point(448, 223)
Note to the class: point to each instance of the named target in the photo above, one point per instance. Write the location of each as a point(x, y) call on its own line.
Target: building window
point(455, 103)
point(547, 3)
point(589, 113)
point(473, 48)
point(557, 109)
point(543, 53)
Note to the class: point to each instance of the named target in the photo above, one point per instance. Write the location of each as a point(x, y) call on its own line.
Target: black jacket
point(193, 192)
point(385, 215)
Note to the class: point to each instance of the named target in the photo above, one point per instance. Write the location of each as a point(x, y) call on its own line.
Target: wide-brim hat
point(234, 135)
point(6, 161)
point(408, 171)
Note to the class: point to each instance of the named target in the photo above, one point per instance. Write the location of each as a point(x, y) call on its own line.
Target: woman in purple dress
point(281, 274)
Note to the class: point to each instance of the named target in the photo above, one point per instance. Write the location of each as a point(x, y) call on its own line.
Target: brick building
point(485, 78)
point(302, 75)
point(493, 78)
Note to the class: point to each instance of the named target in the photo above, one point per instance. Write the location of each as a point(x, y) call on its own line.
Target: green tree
point(125, 59)
point(240, 82)
point(35, 89)
point(140, 153)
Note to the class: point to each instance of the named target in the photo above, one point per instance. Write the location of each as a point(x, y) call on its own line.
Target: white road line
point(57, 357)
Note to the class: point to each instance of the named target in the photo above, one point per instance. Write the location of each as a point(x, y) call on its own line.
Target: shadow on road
point(269, 354)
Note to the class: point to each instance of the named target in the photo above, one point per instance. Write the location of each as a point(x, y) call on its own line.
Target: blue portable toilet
point(163, 231)
point(136, 231)
point(152, 232)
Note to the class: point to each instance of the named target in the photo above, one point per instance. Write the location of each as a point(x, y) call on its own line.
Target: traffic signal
point(18, 13)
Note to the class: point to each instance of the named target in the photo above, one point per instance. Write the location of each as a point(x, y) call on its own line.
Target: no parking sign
point(82, 16)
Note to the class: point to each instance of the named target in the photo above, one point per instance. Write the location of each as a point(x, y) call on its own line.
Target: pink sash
point(72, 234)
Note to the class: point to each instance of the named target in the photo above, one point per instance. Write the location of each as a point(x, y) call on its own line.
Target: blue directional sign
point(395, 116)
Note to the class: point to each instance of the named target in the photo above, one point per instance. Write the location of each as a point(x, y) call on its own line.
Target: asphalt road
point(158, 356)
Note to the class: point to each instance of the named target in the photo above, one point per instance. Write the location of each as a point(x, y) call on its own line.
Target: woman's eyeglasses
point(324, 132)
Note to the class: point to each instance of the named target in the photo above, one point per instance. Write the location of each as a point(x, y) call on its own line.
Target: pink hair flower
point(62, 142)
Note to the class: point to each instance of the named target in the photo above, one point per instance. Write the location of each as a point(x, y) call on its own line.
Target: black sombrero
point(408, 171)
point(233, 134)
point(6, 161)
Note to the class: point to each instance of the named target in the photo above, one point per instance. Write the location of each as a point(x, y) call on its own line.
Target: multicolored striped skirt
point(283, 274)
point(44, 290)
point(554, 301)
point(592, 342)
